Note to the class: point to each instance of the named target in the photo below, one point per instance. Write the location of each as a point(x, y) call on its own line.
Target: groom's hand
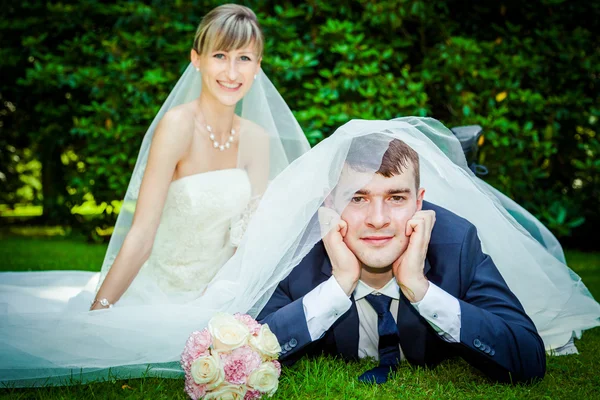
point(408, 269)
point(344, 264)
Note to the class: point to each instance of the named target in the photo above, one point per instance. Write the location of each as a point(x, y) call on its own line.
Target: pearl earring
point(197, 69)
point(254, 77)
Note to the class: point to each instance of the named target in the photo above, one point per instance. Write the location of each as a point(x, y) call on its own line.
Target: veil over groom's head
point(396, 159)
point(417, 151)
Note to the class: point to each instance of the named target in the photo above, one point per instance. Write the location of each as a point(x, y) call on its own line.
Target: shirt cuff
point(442, 311)
point(320, 317)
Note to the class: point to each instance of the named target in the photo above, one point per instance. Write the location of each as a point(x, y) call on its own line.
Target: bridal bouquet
point(234, 358)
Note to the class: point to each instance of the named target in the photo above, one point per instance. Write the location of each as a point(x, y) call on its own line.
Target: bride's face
point(227, 75)
point(377, 215)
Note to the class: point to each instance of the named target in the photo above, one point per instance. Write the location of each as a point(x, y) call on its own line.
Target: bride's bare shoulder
point(178, 123)
point(252, 128)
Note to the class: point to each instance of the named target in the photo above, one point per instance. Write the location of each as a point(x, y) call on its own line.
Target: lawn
point(569, 377)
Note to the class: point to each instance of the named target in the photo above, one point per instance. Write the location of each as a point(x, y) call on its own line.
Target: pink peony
point(252, 394)
point(194, 390)
point(250, 322)
point(239, 364)
point(196, 346)
point(277, 365)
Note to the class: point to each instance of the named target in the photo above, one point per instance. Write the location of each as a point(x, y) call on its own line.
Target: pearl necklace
point(216, 144)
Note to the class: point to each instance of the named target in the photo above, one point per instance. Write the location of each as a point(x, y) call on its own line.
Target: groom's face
point(377, 215)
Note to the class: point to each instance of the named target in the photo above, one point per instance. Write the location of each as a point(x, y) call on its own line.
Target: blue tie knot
point(380, 303)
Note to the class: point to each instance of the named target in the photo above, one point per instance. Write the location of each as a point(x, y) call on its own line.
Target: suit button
point(287, 347)
point(487, 349)
point(477, 343)
point(435, 315)
point(293, 342)
point(492, 352)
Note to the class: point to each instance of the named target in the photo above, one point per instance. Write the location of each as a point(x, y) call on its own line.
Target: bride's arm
point(170, 143)
point(255, 158)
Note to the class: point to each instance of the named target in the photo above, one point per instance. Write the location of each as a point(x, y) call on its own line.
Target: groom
point(397, 278)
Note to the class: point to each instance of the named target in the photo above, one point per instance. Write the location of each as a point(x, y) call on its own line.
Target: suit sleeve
point(496, 334)
point(285, 317)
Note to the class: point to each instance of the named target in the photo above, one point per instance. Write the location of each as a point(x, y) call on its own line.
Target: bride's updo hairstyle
point(229, 27)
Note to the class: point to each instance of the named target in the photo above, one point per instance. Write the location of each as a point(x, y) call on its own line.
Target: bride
point(223, 133)
point(206, 167)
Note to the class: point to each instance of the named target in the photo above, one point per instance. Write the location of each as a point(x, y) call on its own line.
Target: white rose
point(227, 392)
point(207, 370)
point(228, 333)
point(266, 342)
point(265, 378)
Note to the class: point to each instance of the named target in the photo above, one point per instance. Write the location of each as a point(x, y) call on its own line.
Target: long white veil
point(47, 336)
point(284, 228)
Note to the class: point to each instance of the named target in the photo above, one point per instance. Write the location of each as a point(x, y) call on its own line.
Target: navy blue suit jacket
point(496, 335)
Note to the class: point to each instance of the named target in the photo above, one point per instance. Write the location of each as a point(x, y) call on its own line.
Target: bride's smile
point(228, 74)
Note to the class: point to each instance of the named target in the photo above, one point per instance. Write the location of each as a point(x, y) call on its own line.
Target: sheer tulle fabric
point(47, 336)
point(284, 228)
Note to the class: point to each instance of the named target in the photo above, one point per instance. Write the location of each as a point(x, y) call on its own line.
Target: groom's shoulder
point(449, 228)
point(312, 263)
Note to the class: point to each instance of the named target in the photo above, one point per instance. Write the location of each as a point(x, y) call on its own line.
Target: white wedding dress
point(198, 233)
point(46, 312)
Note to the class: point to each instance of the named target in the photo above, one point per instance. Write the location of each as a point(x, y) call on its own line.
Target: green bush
point(88, 76)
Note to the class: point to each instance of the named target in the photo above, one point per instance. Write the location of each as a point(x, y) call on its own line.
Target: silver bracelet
point(103, 302)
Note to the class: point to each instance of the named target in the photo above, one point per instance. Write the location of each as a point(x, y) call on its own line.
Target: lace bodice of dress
point(193, 238)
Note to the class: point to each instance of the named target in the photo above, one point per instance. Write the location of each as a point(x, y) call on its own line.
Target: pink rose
point(239, 364)
point(277, 365)
point(252, 394)
point(250, 322)
point(194, 390)
point(196, 346)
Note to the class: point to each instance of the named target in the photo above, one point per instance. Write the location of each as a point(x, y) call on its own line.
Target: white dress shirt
point(439, 308)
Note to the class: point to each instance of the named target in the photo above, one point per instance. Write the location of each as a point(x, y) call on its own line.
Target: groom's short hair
point(397, 158)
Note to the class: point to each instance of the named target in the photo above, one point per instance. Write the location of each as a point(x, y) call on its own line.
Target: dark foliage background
point(82, 80)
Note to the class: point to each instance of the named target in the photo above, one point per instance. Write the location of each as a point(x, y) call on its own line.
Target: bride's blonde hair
point(229, 27)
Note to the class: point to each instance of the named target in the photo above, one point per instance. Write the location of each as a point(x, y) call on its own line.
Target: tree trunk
point(53, 184)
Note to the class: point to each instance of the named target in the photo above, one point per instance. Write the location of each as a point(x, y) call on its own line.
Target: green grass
point(40, 254)
point(568, 377)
